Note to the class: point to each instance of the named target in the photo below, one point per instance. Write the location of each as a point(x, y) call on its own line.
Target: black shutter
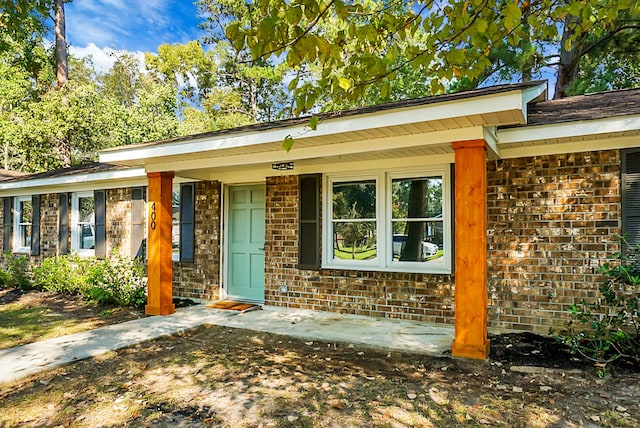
point(99, 198)
point(187, 214)
point(63, 223)
point(137, 221)
point(631, 196)
point(35, 225)
point(7, 224)
point(309, 222)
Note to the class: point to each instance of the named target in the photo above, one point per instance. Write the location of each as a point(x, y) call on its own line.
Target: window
point(138, 235)
point(83, 223)
point(393, 221)
point(23, 217)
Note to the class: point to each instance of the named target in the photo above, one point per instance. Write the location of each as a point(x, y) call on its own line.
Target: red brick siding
point(48, 229)
point(552, 220)
point(48, 225)
point(381, 294)
point(119, 221)
point(201, 279)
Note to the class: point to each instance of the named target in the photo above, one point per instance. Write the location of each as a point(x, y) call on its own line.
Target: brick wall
point(119, 221)
point(381, 294)
point(48, 230)
point(48, 226)
point(552, 220)
point(201, 279)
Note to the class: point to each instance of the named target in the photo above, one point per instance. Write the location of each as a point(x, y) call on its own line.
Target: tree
point(62, 77)
point(215, 89)
point(23, 20)
point(460, 39)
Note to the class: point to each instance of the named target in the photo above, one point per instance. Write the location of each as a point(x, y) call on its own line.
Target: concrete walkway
point(410, 336)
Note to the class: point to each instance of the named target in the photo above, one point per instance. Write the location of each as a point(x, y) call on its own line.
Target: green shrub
point(118, 280)
point(18, 272)
point(65, 274)
point(4, 279)
point(609, 328)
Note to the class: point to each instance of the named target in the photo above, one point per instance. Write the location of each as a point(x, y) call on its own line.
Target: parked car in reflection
point(429, 249)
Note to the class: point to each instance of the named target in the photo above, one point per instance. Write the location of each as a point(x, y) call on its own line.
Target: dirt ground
point(217, 376)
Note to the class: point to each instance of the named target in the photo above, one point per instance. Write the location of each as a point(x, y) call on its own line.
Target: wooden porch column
point(159, 212)
point(471, 250)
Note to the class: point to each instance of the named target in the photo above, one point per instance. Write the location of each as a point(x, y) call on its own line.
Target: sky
point(100, 27)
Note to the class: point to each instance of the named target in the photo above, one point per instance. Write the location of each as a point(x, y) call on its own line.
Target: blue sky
point(97, 27)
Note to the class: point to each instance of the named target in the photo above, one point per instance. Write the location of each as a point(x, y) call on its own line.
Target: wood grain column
point(159, 269)
point(471, 250)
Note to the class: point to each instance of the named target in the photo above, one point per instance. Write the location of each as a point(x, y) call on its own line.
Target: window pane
point(25, 235)
point(355, 200)
point(417, 197)
point(87, 240)
point(417, 241)
point(25, 212)
point(356, 240)
point(86, 209)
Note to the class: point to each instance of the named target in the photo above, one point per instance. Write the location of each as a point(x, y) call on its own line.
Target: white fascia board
point(489, 135)
point(601, 143)
point(492, 103)
point(534, 93)
point(76, 182)
point(323, 151)
point(567, 130)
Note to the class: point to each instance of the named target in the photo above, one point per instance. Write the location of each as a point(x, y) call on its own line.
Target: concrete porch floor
point(398, 335)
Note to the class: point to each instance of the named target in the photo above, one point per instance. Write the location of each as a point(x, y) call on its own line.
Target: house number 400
point(153, 216)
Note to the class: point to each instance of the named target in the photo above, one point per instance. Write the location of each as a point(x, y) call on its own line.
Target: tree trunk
point(569, 60)
point(64, 147)
point(412, 251)
point(525, 46)
point(254, 99)
point(61, 45)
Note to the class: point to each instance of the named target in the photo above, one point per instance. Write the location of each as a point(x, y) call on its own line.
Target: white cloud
point(104, 58)
point(131, 24)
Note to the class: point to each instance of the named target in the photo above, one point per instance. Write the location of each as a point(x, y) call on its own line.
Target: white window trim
point(383, 222)
point(75, 217)
point(17, 230)
point(327, 234)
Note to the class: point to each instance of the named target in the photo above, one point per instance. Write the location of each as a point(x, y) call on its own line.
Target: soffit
point(431, 122)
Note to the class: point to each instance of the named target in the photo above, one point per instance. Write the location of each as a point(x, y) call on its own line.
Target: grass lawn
point(346, 254)
point(34, 316)
point(20, 324)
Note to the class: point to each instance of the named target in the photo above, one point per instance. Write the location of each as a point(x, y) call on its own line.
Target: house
point(490, 208)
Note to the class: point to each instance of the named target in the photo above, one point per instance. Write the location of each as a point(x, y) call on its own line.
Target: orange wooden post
point(159, 269)
point(471, 250)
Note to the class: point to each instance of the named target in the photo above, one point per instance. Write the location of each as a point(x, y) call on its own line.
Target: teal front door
point(245, 249)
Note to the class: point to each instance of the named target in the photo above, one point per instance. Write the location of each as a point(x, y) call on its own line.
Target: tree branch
point(607, 38)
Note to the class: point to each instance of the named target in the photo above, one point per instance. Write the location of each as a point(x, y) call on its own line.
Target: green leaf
point(344, 83)
point(313, 122)
point(384, 91)
point(287, 144)
point(482, 25)
point(294, 15)
point(513, 15)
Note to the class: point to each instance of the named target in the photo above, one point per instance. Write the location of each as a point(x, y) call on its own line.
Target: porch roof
point(408, 128)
